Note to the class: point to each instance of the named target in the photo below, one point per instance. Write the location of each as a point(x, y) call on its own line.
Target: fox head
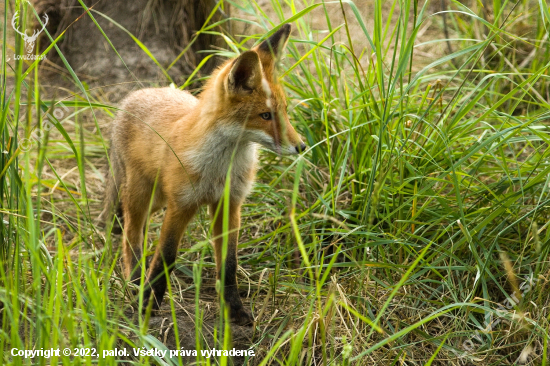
point(253, 97)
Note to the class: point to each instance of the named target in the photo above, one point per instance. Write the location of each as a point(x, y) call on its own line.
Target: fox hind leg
point(111, 202)
point(135, 204)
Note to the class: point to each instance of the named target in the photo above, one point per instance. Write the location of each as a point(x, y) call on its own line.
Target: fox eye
point(266, 116)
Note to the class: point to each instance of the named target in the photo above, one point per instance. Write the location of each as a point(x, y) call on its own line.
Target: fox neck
point(224, 143)
point(224, 147)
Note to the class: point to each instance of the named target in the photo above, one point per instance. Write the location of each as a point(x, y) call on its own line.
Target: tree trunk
point(165, 27)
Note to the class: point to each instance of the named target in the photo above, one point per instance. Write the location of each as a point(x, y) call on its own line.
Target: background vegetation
point(414, 230)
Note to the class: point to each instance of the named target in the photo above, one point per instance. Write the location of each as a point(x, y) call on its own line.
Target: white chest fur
point(223, 149)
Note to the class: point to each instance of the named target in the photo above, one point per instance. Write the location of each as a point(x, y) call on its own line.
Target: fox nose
point(301, 147)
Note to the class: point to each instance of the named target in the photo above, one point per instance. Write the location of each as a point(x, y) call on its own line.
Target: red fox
point(175, 150)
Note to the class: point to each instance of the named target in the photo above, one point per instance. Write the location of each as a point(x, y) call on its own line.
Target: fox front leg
point(237, 312)
point(161, 266)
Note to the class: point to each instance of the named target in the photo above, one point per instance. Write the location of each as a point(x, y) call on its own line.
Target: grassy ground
point(414, 230)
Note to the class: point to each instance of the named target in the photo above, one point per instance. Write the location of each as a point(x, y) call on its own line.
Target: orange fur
point(186, 146)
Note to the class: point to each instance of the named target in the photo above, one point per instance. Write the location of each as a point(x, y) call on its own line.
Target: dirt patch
point(108, 55)
point(162, 327)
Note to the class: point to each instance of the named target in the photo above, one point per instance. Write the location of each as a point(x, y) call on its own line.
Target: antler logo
point(29, 40)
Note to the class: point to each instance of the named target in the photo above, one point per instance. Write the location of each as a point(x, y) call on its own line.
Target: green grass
point(414, 231)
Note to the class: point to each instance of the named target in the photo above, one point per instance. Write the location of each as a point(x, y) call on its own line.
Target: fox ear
point(245, 74)
point(275, 44)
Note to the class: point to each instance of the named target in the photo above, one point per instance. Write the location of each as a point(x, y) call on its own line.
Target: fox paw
point(241, 317)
